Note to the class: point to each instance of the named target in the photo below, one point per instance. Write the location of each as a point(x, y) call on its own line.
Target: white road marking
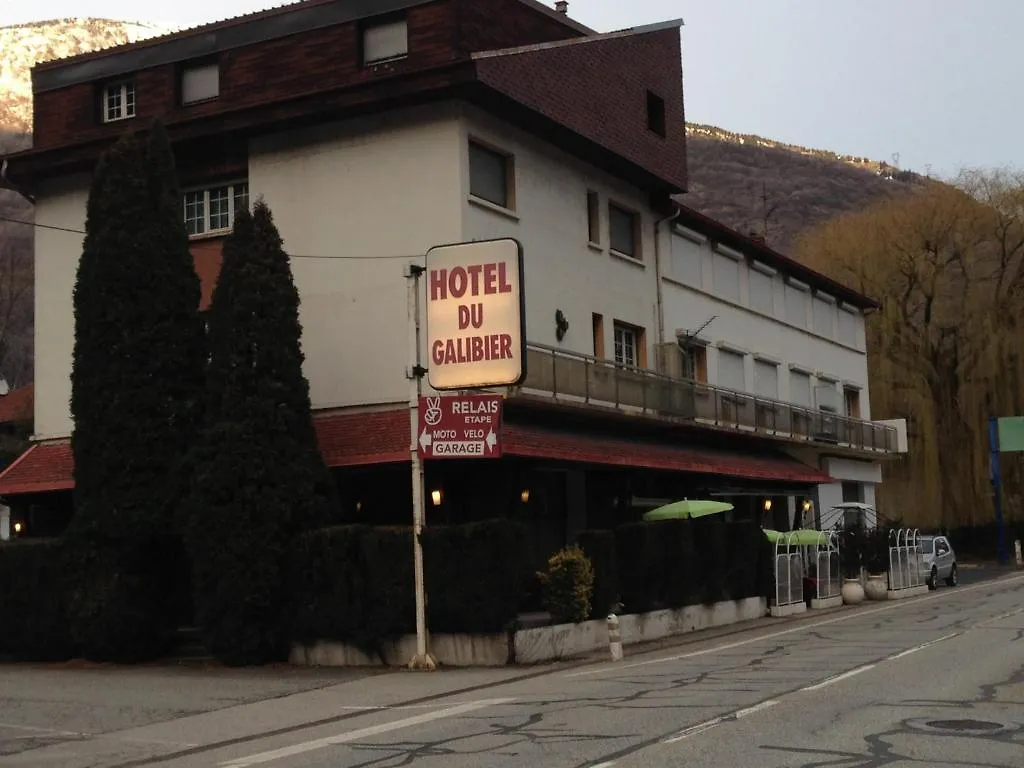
point(604, 765)
point(707, 725)
point(756, 708)
point(922, 646)
point(362, 733)
point(606, 668)
point(837, 678)
point(693, 730)
point(33, 729)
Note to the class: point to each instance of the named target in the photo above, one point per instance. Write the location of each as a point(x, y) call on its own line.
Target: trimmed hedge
point(33, 603)
point(675, 563)
point(121, 596)
point(355, 583)
point(477, 575)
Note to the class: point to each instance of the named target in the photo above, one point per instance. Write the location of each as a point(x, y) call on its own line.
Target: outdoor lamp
point(525, 495)
point(807, 505)
point(435, 496)
point(767, 505)
point(17, 527)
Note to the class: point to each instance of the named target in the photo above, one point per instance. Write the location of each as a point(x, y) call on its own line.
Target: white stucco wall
point(693, 295)
point(562, 269)
point(377, 187)
point(59, 204)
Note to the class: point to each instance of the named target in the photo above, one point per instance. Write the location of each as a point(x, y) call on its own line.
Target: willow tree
point(946, 264)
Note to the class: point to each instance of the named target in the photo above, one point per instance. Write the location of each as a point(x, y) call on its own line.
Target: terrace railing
point(582, 378)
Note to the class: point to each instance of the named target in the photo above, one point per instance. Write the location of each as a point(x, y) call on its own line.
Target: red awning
point(43, 467)
point(382, 437)
point(540, 443)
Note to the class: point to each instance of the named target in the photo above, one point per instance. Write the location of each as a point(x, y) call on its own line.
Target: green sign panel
point(1011, 434)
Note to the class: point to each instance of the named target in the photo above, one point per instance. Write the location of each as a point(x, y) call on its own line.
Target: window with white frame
point(731, 374)
point(385, 40)
point(627, 345)
point(686, 261)
point(824, 317)
point(848, 327)
point(796, 306)
point(727, 277)
point(119, 101)
point(800, 388)
point(762, 291)
point(766, 379)
point(213, 209)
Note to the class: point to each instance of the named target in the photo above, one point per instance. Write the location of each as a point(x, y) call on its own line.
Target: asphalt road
point(934, 681)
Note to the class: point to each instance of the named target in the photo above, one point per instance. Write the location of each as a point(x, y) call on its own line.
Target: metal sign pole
point(997, 483)
point(422, 659)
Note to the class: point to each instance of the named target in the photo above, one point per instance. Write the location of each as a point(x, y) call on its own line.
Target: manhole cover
point(966, 725)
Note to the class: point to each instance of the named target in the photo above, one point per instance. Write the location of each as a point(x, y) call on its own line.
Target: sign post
point(422, 659)
point(476, 338)
point(1005, 435)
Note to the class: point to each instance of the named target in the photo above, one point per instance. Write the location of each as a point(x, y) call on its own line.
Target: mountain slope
point(777, 190)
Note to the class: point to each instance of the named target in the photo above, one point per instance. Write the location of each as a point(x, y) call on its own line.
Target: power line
point(290, 255)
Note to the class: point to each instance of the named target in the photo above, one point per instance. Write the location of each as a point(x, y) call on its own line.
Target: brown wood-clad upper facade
point(330, 59)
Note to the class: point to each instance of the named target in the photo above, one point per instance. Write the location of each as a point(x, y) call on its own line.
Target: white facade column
point(5, 523)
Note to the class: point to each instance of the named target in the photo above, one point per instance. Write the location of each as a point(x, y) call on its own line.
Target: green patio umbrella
point(685, 509)
point(804, 537)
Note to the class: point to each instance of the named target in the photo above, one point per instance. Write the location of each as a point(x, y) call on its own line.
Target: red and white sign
point(460, 427)
point(475, 334)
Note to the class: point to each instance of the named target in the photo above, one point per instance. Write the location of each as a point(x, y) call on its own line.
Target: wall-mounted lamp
point(17, 527)
point(767, 505)
point(525, 495)
point(435, 497)
point(807, 505)
point(561, 324)
point(359, 506)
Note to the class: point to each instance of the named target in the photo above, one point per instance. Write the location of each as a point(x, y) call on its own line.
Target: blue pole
point(997, 482)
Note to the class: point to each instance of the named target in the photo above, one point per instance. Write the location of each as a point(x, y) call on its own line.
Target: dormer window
point(200, 82)
point(118, 101)
point(385, 40)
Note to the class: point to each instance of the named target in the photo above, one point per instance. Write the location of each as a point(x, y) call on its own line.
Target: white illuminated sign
point(475, 335)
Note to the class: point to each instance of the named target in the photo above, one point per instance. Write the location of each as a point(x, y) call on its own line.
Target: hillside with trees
point(778, 191)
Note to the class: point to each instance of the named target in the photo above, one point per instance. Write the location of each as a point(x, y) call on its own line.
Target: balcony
point(573, 377)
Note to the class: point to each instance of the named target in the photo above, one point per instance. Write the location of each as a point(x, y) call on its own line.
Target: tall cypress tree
point(258, 475)
point(136, 380)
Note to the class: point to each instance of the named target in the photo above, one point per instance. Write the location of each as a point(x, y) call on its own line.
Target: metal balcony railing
point(583, 378)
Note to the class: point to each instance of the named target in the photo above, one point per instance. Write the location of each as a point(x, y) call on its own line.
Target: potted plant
point(851, 545)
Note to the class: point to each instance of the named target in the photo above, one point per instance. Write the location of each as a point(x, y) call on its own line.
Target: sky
point(930, 84)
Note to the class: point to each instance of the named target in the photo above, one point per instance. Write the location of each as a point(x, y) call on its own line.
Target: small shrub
point(568, 585)
point(33, 602)
point(599, 547)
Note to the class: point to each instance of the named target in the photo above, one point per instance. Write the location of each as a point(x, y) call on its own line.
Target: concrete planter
point(535, 645)
point(853, 592)
point(876, 587)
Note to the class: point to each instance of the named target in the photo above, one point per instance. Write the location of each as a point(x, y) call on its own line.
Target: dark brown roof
point(206, 39)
